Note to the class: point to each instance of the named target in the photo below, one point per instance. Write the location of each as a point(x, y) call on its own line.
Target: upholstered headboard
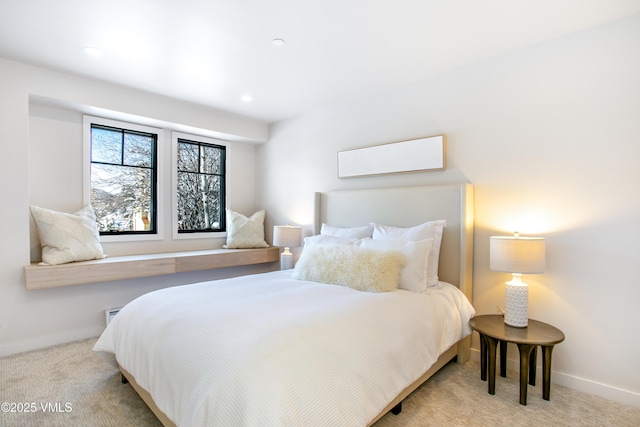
point(406, 207)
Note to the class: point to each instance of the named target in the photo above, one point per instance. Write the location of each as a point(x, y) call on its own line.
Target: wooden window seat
point(133, 266)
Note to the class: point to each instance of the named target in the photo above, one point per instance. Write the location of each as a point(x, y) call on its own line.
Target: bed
point(276, 349)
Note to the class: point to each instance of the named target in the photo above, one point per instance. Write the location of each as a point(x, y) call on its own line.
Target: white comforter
point(268, 350)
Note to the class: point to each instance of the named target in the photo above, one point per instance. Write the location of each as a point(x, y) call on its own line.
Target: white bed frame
point(401, 207)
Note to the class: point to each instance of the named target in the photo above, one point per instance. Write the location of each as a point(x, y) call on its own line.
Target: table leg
point(503, 359)
point(525, 357)
point(483, 358)
point(546, 371)
point(532, 365)
point(492, 344)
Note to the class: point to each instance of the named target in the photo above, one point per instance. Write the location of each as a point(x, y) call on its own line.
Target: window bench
point(133, 266)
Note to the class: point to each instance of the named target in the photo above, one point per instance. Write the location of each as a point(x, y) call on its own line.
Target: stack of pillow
point(374, 257)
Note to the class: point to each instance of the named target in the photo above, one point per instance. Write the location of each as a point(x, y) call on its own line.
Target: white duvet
point(268, 350)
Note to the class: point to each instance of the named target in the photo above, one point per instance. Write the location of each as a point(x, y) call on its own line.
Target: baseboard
point(608, 392)
point(49, 340)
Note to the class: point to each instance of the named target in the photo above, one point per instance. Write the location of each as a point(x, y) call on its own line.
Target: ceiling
point(214, 51)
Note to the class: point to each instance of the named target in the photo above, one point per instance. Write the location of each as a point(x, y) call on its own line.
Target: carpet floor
point(70, 385)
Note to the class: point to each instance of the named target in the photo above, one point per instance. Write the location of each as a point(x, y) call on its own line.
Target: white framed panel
point(406, 156)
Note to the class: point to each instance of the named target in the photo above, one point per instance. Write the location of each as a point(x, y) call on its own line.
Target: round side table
point(494, 331)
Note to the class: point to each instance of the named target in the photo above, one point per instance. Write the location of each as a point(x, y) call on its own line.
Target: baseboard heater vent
point(110, 314)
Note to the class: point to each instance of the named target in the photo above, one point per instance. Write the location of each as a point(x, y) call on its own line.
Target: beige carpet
point(72, 386)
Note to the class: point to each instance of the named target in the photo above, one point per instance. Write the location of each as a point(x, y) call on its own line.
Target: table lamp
point(286, 236)
point(517, 255)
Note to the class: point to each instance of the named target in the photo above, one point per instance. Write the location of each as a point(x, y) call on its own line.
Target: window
point(122, 177)
point(200, 186)
point(128, 176)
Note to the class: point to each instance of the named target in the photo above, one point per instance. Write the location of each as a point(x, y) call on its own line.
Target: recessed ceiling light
point(93, 51)
point(277, 42)
point(246, 98)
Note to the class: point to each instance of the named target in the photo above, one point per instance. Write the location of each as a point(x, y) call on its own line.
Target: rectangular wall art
point(406, 156)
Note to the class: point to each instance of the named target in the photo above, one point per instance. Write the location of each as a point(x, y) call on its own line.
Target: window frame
point(198, 234)
point(159, 160)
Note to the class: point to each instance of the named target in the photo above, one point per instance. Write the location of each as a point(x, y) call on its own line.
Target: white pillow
point(428, 230)
point(415, 273)
point(66, 237)
point(363, 269)
point(321, 239)
point(243, 232)
point(347, 232)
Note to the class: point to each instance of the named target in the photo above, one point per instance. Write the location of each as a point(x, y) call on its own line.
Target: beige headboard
point(406, 207)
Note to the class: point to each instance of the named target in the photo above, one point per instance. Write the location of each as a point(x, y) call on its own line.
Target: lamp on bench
point(286, 236)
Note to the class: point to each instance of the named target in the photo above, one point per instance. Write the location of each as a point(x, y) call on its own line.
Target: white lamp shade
point(524, 255)
point(287, 236)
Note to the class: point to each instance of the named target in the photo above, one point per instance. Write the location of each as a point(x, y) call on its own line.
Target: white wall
point(41, 140)
point(550, 138)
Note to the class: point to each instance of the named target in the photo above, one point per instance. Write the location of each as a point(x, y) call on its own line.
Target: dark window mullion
point(121, 165)
point(122, 147)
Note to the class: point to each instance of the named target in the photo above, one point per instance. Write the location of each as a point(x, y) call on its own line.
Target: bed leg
point(397, 409)
point(124, 379)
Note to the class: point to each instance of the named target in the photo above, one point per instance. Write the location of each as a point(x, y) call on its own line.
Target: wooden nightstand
point(493, 330)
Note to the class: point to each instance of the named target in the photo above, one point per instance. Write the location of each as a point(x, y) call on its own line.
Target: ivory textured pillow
point(359, 268)
point(243, 232)
point(66, 237)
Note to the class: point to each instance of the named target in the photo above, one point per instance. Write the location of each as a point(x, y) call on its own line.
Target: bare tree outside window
point(200, 186)
point(123, 180)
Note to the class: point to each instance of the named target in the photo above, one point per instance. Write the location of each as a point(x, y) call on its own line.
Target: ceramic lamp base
point(516, 304)
point(286, 260)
